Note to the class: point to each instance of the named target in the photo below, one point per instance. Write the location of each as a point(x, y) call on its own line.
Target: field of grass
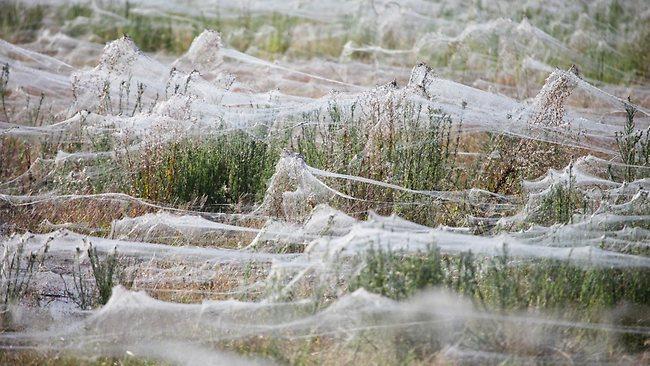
point(266, 194)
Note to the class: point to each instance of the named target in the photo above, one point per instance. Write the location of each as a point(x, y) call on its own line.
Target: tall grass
point(560, 203)
point(506, 285)
point(394, 141)
point(225, 170)
point(19, 22)
point(503, 282)
point(16, 273)
point(633, 146)
point(108, 271)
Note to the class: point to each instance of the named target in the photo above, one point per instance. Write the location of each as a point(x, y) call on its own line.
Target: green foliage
point(398, 276)
point(174, 35)
point(18, 22)
point(223, 170)
point(636, 52)
point(461, 274)
point(4, 80)
point(149, 33)
point(76, 10)
point(280, 38)
point(503, 283)
point(397, 142)
point(105, 271)
point(559, 205)
point(633, 147)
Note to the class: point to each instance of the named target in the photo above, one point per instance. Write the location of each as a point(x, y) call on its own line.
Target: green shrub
point(397, 275)
point(559, 205)
point(18, 22)
point(224, 170)
point(397, 142)
point(104, 272)
point(633, 146)
point(108, 272)
point(503, 283)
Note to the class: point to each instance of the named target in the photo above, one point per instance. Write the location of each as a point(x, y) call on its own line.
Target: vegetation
point(633, 147)
point(82, 292)
point(387, 153)
point(229, 169)
point(108, 272)
point(560, 203)
point(30, 358)
point(20, 21)
point(505, 284)
point(271, 35)
point(15, 274)
point(4, 80)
